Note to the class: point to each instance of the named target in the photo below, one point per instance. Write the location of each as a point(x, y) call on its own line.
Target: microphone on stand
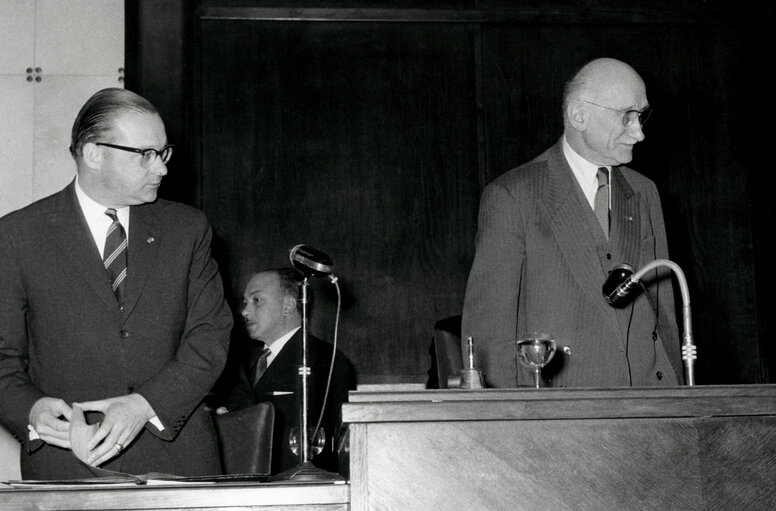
point(310, 261)
point(622, 281)
point(618, 285)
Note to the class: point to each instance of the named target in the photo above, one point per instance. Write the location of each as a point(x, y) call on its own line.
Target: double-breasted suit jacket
point(62, 333)
point(279, 385)
point(541, 259)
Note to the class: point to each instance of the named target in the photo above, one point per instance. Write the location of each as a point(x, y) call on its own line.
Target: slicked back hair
point(95, 121)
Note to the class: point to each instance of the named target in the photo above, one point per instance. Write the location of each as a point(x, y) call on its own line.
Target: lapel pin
point(150, 240)
point(629, 218)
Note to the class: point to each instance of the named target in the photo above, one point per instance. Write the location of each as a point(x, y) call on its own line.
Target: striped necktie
point(115, 256)
point(602, 200)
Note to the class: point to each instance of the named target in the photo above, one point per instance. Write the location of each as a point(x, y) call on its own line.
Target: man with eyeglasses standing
point(549, 233)
point(109, 298)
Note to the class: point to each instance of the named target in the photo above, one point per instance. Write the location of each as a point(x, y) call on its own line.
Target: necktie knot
point(603, 176)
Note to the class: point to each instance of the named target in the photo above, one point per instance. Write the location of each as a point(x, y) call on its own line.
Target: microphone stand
point(304, 470)
point(689, 351)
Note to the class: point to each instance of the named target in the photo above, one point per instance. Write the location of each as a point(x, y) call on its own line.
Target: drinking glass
point(535, 350)
point(316, 443)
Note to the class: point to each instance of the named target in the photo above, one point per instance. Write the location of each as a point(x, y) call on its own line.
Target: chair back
point(245, 439)
point(9, 457)
point(447, 349)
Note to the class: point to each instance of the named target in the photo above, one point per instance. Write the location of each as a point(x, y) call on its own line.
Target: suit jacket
point(63, 335)
point(279, 385)
point(540, 261)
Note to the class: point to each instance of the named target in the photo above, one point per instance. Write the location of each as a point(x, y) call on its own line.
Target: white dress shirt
point(96, 218)
point(586, 174)
point(278, 345)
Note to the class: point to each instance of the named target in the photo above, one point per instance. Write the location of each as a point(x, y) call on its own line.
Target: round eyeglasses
point(628, 116)
point(147, 156)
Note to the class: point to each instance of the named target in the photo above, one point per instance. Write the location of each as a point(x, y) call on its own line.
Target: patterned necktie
point(602, 200)
point(115, 256)
point(261, 365)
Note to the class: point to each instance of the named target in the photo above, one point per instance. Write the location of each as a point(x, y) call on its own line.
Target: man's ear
point(576, 115)
point(92, 155)
point(289, 305)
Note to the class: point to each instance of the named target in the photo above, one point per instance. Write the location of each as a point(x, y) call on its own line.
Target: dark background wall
point(368, 130)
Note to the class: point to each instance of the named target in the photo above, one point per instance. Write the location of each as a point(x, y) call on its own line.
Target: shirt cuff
point(157, 423)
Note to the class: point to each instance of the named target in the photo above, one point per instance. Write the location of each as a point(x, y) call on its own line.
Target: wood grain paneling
point(696, 448)
point(361, 141)
point(368, 129)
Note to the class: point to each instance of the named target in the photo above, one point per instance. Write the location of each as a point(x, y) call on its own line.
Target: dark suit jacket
point(541, 258)
point(63, 335)
point(279, 385)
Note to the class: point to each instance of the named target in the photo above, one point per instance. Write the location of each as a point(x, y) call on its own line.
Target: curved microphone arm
point(689, 351)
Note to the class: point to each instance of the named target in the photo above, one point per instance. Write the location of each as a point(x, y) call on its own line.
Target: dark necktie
point(115, 256)
point(261, 365)
point(602, 200)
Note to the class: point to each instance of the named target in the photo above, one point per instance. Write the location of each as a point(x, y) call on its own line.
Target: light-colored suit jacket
point(63, 335)
point(540, 261)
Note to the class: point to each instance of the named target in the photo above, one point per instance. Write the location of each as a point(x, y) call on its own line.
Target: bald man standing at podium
point(549, 233)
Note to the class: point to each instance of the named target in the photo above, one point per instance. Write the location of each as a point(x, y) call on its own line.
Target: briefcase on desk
point(245, 439)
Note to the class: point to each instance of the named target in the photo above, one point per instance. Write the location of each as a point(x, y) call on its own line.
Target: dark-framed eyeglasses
point(628, 116)
point(147, 156)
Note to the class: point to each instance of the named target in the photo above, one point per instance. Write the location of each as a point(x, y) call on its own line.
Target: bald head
point(595, 105)
point(600, 79)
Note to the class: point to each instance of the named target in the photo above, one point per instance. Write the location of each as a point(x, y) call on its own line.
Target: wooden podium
point(683, 448)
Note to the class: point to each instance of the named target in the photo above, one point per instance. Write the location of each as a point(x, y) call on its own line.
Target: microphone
point(618, 285)
point(310, 261)
point(622, 280)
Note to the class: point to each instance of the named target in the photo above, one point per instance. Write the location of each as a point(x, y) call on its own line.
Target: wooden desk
point(265, 496)
point(684, 448)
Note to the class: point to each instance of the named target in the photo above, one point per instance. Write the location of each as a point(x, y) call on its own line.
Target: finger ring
point(119, 447)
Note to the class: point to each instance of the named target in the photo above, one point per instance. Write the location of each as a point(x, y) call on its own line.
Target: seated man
point(267, 371)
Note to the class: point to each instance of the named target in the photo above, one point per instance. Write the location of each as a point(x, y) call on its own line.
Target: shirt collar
point(95, 212)
point(584, 171)
point(278, 345)
point(96, 219)
point(579, 165)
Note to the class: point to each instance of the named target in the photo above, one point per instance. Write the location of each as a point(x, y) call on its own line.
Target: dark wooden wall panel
point(360, 140)
point(369, 129)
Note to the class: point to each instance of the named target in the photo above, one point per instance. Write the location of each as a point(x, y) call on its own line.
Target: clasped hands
point(124, 418)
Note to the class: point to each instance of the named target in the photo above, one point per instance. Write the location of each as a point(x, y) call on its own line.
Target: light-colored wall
point(54, 54)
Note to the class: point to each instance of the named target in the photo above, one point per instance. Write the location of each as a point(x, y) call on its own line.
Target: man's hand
point(125, 417)
point(46, 418)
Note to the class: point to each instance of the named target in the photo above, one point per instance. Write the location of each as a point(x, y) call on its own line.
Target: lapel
point(569, 219)
point(282, 373)
point(625, 225)
point(144, 240)
point(71, 234)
